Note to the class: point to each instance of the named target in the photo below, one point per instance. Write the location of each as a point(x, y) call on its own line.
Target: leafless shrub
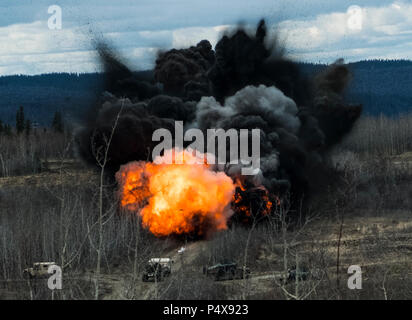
point(380, 135)
point(22, 154)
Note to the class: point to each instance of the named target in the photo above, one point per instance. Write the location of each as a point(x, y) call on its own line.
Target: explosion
point(177, 198)
point(245, 82)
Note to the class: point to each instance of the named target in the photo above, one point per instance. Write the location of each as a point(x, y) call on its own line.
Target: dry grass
point(50, 214)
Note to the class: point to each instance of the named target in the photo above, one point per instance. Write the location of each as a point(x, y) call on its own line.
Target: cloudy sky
point(312, 30)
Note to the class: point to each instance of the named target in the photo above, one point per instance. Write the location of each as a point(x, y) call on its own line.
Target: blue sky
point(312, 30)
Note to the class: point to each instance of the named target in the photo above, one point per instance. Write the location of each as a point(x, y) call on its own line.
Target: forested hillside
point(382, 86)
point(43, 95)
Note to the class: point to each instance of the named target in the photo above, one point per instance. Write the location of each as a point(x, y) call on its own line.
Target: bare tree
point(101, 154)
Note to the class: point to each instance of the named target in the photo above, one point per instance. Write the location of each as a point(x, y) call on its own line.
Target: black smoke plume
point(183, 72)
point(245, 83)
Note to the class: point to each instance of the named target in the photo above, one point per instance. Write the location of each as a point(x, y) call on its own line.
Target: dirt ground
point(379, 242)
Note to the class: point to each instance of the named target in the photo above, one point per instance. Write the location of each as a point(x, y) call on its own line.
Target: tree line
point(24, 125)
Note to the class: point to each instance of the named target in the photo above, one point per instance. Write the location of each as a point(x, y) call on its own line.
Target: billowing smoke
point(276, 115)
point(243, 59)
point(246, 83)
point(183, 72)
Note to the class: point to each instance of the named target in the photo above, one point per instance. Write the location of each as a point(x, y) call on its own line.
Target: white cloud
point(32, 48)
point(322, 37)
point(35, 38)
point(186, 37)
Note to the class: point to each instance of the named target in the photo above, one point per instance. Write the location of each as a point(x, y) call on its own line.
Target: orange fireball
point(177, 198)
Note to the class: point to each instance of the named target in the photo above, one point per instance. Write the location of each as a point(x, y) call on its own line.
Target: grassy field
point(50, 211)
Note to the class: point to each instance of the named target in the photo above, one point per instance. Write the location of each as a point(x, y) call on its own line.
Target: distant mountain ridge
point(382, 86)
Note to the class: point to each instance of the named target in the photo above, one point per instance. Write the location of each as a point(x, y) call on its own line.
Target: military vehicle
point(39, 270)
point(226, 271)
point(157, 269)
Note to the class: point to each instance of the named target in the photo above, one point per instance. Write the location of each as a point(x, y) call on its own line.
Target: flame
point(268, 201)
point(177, 198)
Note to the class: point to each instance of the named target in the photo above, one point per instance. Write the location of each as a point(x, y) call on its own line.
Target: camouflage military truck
point(39, 270)
point(226, 271)
point(157, 269)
